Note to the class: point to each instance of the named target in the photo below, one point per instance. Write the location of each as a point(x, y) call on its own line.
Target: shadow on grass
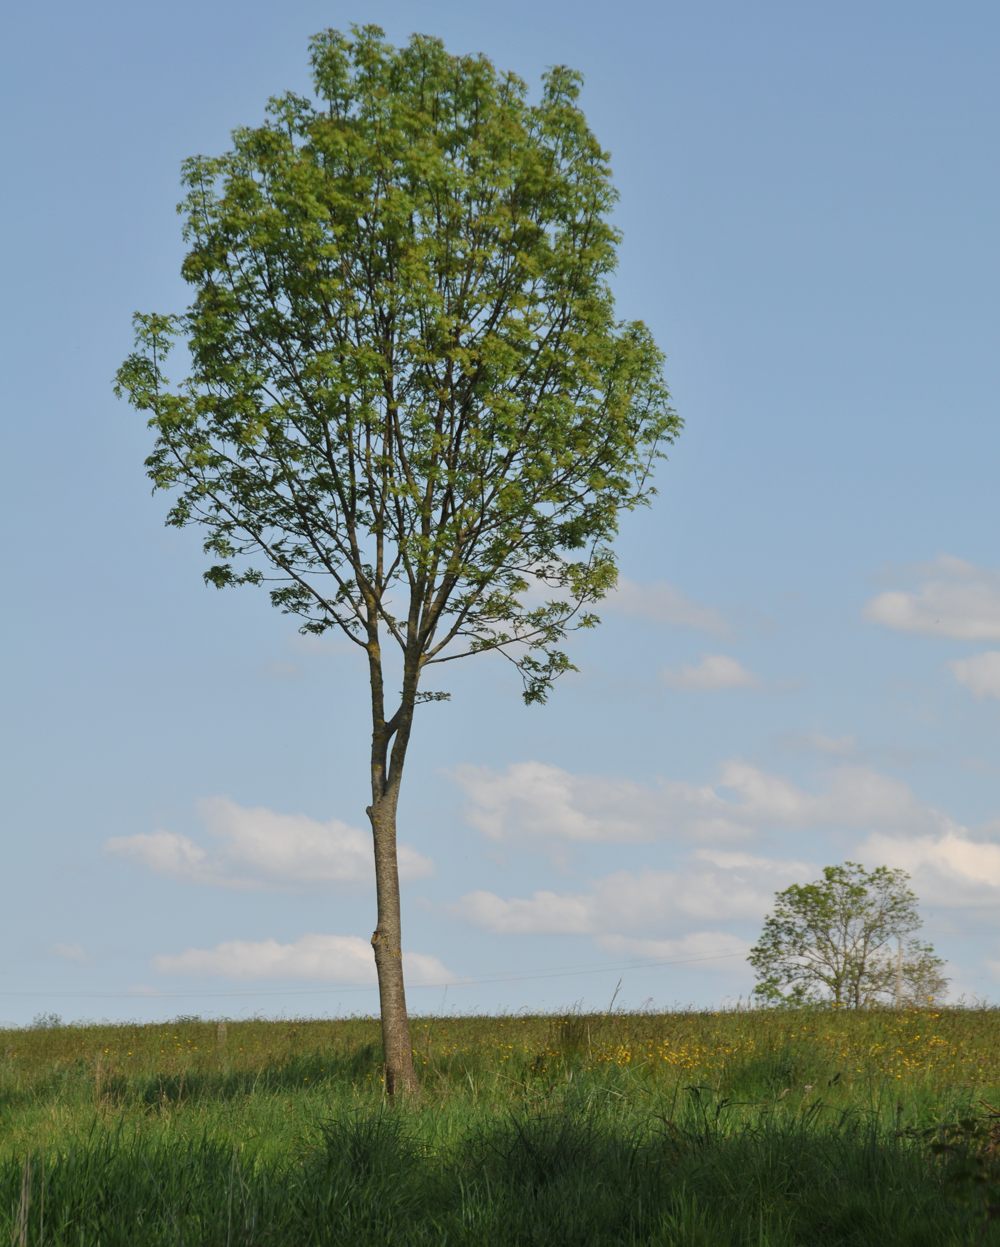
point(568, 1179)
point(292, 1074)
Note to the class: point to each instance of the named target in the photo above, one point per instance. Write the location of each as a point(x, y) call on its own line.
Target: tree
point(410, 407)
point(843, 939)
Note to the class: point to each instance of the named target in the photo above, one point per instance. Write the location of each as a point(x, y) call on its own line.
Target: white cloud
point(664, 604)
point(544, 913)
point(980, 674)
point(715, 886)
point(537, 803)
point(852, 796)
point(949, 869)
point(256, 847)
point(959, 600)
point(543, 801)
point(288, 848)
point(171, 854)
point(73, 952)
point(323, 958)
point(716, 948)
point(713, 672)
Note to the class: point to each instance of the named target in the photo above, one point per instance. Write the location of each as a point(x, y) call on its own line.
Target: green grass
point(760, 1128)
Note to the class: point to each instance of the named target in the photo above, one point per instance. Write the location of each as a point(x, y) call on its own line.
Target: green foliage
point(832, 941)
point(410, 405)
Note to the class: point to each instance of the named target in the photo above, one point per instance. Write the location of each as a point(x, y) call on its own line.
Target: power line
point(483, 980)
point(498, 976)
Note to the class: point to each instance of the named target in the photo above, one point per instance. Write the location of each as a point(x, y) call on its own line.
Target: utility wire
point(483, 981)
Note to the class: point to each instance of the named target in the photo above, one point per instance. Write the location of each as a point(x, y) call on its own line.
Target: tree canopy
point(410, 408)
point(406, 366)
point(843, 939)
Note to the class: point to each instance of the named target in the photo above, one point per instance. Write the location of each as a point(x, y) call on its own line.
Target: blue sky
point(803, 664)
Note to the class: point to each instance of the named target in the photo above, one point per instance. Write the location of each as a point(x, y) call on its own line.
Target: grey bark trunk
point(388, 947)
point(386, 774)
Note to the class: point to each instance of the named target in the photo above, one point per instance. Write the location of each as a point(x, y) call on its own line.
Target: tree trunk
point(387, 944)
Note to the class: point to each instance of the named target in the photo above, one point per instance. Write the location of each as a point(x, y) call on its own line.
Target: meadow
point(760, 1127)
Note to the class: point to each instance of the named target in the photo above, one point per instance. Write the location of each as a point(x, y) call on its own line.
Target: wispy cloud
point(980, 674)
point(533, 800)
point(715, 671)
point(72, 952)
point(312, 646)
point(533, 803)
point(279, 670)
point(176, 856)
point(662, 603)
point(819, 742)
point(257, 847)
point(321, 958)
point(713, 887)
point(956, 600)
point(715, 948)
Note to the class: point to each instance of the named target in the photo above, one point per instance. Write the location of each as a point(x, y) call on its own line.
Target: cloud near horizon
point(709, 946)
point(644, 913)
point(257, 847)
point(957, 600)
point(345, 959)
point(715, 886)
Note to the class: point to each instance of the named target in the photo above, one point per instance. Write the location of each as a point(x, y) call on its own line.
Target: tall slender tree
point(410, 407)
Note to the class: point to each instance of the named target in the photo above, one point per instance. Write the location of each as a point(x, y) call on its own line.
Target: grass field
point(761, 1127)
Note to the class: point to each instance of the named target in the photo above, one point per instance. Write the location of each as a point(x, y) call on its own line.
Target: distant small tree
point(923, 980)
point(410, 405)
point(839, 940)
